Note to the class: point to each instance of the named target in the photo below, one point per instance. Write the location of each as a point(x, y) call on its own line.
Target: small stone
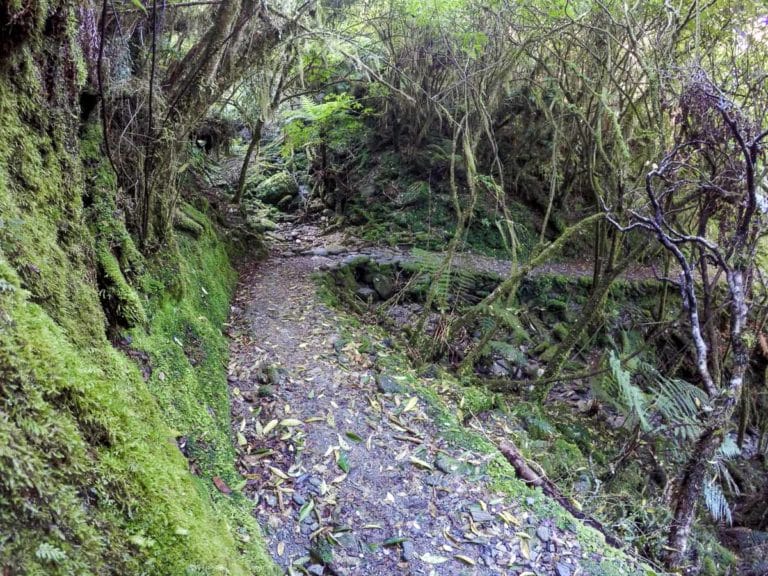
point(409, 552)
point(562, 569)
point(319, 252)
point(299, 499)
point(480, 515)
point(446, 464)
point(384, 286)
point(530, 500)
point(316, 569)
point(387, 385)
point(270, 500)
point(543, 533)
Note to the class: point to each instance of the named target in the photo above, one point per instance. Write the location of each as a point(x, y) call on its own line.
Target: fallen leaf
point(343, 462)
point(221, 485)
point(525, 549)
point(280, 548)
point(411, 404)
point(277, 472)
point(269, 427)
point(291, 423)
point(306, 509)
point(430, 558)
point(352, 436)
point(420, 463)
point(465, 559)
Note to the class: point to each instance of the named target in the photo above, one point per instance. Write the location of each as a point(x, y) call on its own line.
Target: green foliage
point(337, 122)
point(448, 283)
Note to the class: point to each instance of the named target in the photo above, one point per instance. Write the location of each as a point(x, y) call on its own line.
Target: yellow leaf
point(420, 463)
point(411, 404)
point(277, 472)
point(269, 427)
point(465, 559)
point(291, 422)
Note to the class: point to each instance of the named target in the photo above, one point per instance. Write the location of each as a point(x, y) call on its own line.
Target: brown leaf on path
point(221, 485)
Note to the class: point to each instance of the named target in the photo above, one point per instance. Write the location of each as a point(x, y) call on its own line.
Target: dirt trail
point(348, 473)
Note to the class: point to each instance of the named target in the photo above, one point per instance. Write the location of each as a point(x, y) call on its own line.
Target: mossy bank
point(92, 477)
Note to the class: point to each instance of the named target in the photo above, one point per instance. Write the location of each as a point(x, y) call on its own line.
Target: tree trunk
point(687, 495)
point(252, 147)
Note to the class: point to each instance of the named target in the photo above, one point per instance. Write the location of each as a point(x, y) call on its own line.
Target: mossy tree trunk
point(241, 34)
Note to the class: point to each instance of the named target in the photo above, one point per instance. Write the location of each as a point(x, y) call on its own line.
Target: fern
point(445, 279)
point(619, 391)
point(679, 403)
point(508, 351)
point(49, 553)
point(716, 503)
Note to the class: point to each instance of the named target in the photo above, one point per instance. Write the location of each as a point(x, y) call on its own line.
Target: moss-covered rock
point(276, 188)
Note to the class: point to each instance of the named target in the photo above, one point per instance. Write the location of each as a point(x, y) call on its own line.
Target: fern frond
point(679, 403)
point(716, 502)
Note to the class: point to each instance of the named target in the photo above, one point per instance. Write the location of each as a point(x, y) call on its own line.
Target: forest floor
point(348, 470)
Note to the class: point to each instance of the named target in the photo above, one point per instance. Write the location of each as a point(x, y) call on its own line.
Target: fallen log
point(533, 478)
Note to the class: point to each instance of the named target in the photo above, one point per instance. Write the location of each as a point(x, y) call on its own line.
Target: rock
point(562, 569)
point(384, 286)
point(500, 368)
point(275, 188)
point(446, 464)
point(316, 569)
point(479, 515)
point(387, 385)
point(409, 551)
point(319, 252)
point(299, 499)
point(366, 294)
point(543, 533)
point(266, 391)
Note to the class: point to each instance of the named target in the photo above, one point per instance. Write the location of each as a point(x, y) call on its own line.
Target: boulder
point(274, 189)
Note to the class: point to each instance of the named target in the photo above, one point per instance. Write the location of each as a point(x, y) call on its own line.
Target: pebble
point(409, 552)
point(316, 569)
point(543, 533)
point(387, 385)
point(299, 499)
point(562, 569)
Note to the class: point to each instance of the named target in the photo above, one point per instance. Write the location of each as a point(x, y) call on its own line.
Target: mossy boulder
point(276, 188)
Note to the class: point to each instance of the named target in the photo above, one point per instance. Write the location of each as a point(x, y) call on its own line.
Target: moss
point(275, 188)
point(91, 478)
point(119, 297)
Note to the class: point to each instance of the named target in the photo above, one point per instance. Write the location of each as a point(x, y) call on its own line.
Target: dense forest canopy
point(607, 158)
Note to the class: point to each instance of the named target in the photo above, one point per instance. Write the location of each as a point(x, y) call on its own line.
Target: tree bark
point(252, 147)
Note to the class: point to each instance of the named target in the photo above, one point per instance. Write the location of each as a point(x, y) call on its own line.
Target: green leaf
point(140, 6)
point(352, 436)
point(343, 462)
point(306, 509)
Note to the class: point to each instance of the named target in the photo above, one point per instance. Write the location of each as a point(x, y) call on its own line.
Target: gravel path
point(348, 474)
